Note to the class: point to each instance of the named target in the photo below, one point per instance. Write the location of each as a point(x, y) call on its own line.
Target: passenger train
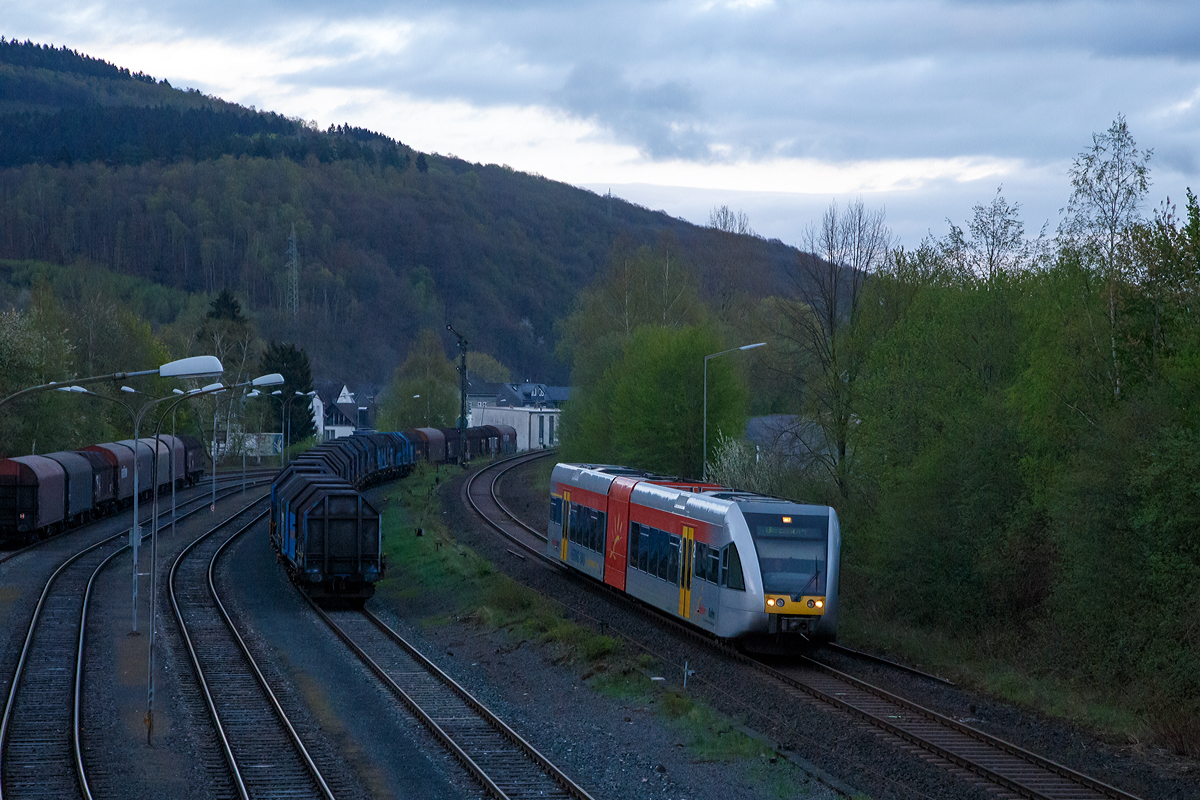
point(758, 570)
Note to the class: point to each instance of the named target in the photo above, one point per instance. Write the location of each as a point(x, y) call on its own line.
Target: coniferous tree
point(291, 362)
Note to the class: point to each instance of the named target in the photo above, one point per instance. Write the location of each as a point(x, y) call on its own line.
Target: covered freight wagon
point(329, 537)
point(80, 483)
point(32, 494)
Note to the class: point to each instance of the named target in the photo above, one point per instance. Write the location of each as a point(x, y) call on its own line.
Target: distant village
point(532, 409)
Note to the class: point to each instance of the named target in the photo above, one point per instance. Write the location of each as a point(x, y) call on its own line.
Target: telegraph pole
point(462, 394)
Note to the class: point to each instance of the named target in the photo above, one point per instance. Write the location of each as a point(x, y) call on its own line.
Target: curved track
point(506, 764)
point(1009, 768)
point(40, 731)
point(262, 749)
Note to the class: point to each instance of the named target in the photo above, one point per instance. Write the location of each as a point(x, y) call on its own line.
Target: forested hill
point(102, 166)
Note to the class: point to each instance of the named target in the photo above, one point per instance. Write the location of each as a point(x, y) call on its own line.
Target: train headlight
point(820, 604)
point(770, 601)
point(812, 603)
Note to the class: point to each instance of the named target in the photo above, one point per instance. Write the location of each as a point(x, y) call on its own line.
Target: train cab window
point(731, 568)
point(556, 510)
point(791, 551)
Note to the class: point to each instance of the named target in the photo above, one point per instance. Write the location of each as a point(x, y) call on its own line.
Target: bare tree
point(722, 218)
point(1109, 182)
point(735, 271)
point(997, 243)
point(818, 322)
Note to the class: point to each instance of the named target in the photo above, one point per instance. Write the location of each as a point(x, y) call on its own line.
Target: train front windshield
point(791, 551)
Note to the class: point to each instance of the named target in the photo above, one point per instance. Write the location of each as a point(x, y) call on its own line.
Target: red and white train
point(741, 566)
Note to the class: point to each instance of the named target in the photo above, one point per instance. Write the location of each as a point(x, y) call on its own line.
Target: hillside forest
point(100, 168)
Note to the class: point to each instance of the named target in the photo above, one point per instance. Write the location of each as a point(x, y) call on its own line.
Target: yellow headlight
point(820, 604)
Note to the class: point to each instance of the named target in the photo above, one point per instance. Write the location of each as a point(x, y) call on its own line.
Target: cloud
point(660, 119)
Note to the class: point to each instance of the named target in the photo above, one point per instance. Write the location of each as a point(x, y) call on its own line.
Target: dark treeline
point(62, 59)
point(133, 136)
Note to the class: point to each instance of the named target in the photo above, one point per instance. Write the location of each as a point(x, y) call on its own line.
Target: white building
point(536, 428)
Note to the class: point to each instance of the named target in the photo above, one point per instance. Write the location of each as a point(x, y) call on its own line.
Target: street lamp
point(184, 368)
point(704, 469)
point(193, 367)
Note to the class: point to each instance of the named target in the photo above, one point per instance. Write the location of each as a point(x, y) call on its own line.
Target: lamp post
point(287, 418)
point(212, 508)
point(278, 395)
point(251, 395)
point(704, 468)
point(462, 395)
point(173, 476)
point(418, 397)
point(273, 379)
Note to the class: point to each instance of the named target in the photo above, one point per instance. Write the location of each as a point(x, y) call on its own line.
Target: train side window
point(602, 533)
point(714, 564)
point(700, 559)
point(556, 510)
point(579, 522)
point(672, 561)
point(634, 538)
point(644, 549)
point(731, 568)
point(598, 531)
point(656, 550)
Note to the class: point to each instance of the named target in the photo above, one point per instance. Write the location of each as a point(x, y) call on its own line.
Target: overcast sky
point(774, 108)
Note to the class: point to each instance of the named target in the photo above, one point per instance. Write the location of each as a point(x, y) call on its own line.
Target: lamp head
point(194, 367)
point(177, 391)
point(214, 387)
point(129, 390)
point(274, 379)
point(277, 392)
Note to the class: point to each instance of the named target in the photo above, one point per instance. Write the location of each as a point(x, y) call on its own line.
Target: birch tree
point(1109, 182)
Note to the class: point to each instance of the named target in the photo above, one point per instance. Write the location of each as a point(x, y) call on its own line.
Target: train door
point(617, 544)
point(686, 550)
point(566, 522)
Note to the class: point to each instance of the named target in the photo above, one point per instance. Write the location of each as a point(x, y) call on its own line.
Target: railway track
point(41, 749)
point(1010, 770)
point(263, 751)
point(506, 764)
